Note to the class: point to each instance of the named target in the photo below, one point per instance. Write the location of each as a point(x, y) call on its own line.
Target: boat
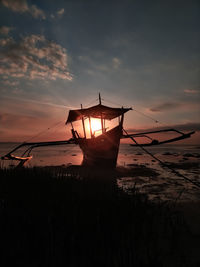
point(101, 150)
point(100, 147)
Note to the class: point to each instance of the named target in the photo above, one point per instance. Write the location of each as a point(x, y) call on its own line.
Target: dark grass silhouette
point(54, 217)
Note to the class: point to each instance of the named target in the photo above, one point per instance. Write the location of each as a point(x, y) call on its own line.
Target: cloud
point(11, 83)
point(116, 62)
point(16, 5)
point(191, 91)
point(179, 105)
point(33, 57)
point(165, 106)
point(5, 30)
point(190, 126)
point(60, 12)
point(36, 12)
point(95, 63)
point(6, 41)
point(21, 6)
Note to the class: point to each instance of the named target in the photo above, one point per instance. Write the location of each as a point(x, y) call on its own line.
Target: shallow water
point(71, 154)
point(166, 185)
point(163, 186)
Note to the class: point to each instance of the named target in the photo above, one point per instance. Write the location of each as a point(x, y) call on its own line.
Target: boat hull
point(101, 151)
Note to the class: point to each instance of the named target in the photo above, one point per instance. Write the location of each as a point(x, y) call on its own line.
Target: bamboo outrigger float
point(101, 150)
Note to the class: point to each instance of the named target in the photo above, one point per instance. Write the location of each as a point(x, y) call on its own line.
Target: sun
point(95, 125)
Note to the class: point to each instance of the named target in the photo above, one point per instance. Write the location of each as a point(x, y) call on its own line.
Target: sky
point(56, 55)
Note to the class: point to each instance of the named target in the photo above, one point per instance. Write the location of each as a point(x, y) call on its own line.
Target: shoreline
point(74, 216)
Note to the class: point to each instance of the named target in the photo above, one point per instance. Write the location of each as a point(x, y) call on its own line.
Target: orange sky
point(44, 122)
point(53, 57)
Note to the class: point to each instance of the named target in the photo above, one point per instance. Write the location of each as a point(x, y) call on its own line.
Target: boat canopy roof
point(98, 111)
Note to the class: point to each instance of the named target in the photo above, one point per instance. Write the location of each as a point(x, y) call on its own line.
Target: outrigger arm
point(31, 146)
point(157, 142)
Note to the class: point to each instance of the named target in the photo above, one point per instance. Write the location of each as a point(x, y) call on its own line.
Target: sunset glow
point(96, 125)
point(144, 59)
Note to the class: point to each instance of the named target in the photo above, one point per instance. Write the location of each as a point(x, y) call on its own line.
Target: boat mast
point(83, 123)
point(122, 119)
point(102, 127)
point(90, 127)
point(72, 126)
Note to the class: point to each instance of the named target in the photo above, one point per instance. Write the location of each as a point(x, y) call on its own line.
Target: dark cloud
point(16, 5)
point(191, 91)
point(10, 83)
point(36, 12)
point(5, 30)
point(60, 12)
point(165, 106)
point(33, 57)
point(21, 6)
point(190, 126)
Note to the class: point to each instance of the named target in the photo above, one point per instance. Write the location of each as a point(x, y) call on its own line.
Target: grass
point(55, 217)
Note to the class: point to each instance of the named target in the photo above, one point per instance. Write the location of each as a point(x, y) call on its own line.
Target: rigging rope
point(139, 112)
point(114, 103)
point(91, 102)
point(147, 116)
point(43, 131)
point(161, 162)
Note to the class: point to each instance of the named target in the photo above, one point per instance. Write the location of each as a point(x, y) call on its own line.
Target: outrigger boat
point(99, 150)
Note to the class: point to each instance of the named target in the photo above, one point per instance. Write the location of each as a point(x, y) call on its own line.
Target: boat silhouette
point(99, 150)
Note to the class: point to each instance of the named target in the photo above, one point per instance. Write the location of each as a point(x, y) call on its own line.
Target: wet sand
point(161, 183)
point(178, 199)
point(135, 168)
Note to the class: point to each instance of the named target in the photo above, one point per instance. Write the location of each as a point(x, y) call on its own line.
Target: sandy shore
point(158, 213)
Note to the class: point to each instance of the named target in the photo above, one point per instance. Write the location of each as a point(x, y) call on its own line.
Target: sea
point(158, 182)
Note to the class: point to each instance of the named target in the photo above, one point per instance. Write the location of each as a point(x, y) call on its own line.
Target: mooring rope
point(162, 163)
point(137, 111)
point(147, 116)
point(44, 131)
point(90, 103)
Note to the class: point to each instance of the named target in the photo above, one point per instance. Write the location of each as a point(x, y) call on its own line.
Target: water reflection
point(135, 168)
point(47, 156)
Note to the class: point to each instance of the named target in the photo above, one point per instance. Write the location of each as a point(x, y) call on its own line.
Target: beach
point(55, 212)
point(135, 167)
